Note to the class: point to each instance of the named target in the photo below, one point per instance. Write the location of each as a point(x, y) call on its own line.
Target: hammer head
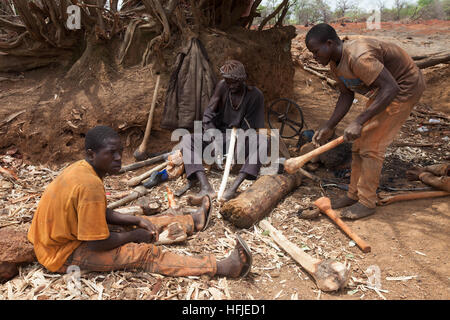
point(292, 165)
point(323, 204)
point(332, 275)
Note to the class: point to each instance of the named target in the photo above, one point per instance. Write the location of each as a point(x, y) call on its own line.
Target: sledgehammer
point(292, 165)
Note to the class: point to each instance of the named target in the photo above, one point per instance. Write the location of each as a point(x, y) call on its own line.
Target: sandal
point(208, 214)
point(248, 265)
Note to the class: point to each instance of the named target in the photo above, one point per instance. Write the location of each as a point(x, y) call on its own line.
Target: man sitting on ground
point(70, 226)
point(233, 104)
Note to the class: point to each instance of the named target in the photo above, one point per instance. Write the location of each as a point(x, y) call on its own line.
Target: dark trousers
point(246, 152)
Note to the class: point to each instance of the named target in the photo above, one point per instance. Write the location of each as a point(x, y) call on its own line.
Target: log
point(256, 202)
point(434, 60)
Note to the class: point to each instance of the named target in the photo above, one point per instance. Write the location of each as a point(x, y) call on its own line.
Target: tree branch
point(248, 23)
point(282, 16)
point(14, 43)
point(12, 26)
point(273, 14)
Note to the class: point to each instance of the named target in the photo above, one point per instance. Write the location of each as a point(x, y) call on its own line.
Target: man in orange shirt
point(70, 226)
point(385, 74)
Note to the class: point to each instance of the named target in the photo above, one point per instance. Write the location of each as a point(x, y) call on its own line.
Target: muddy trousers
point(368, 151)
point(144, 256)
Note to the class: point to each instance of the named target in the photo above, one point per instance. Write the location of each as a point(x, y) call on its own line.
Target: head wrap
point(233, 69)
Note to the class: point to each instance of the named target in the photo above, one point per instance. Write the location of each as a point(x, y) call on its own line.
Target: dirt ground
point(409, 240)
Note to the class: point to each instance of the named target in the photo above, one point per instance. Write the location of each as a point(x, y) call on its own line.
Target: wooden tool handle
point(365, 247)
point(136, 180)
point(412, 196)
point(292, 165)
point(137, 192)
point(144, 163)
point(148, 128)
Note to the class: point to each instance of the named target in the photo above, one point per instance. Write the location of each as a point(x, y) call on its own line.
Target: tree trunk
point(257, 201)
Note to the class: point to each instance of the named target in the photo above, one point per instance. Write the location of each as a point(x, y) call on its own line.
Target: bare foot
point(228, 195)
point(357, 211)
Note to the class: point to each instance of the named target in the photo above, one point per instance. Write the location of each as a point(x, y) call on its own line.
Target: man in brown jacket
point(385, 74)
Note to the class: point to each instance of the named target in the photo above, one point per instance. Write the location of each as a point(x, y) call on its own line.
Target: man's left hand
point(145, 224)
point(352, 132)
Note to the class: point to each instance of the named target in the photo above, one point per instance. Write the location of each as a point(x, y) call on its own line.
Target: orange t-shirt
point(363, 59)
point(71, 210)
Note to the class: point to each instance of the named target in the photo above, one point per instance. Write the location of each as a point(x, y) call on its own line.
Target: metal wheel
point(286, 116)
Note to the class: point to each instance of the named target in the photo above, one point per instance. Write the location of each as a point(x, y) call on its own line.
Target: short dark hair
point(322, 32)
point(96, 137)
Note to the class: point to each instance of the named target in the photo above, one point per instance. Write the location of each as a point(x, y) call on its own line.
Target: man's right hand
point(143, 236)
point(322, 135)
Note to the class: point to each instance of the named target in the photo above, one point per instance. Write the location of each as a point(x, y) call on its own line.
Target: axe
point(292, 165)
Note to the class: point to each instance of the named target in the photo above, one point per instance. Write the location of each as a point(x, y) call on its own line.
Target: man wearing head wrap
point(233, 104)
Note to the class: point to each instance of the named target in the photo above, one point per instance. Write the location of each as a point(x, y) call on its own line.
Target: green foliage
point(424, 3)
point(315, 11)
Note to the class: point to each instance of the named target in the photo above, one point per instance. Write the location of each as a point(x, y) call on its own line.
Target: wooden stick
point(135, 210)
point(136, 180)
point(411, 196)
point(293, 164)
point(316, 68)
point(230, 156)
point(324, 204)
point(142, 149)
point(137, 193)
point(144, 163)
point(329, 81)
